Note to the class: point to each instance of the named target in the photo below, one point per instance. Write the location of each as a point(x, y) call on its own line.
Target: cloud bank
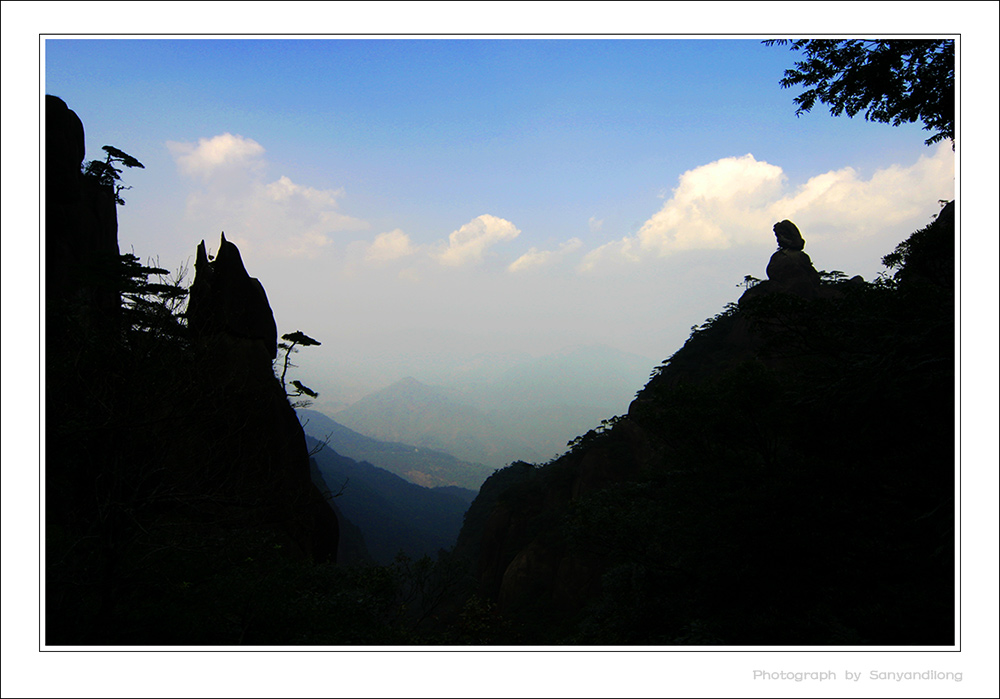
point(210, 155)
point(735, 201)
point(389, 246)
point(468, 245)
point(279, 218)
point(543, 258)
point(724, 204)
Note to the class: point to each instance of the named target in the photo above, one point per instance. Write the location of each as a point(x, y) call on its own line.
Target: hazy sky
point(412, 202)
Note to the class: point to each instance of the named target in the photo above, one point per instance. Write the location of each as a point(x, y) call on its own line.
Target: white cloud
point(285, 191)
point(714, 206)
point(617, 251)
point(470, 242)
point(390, 246)
point(595, 224)
point(211, 154)
point(841, 203)
point(279, 218)
point(315, 210)
point(538, 258)
point(735, 201)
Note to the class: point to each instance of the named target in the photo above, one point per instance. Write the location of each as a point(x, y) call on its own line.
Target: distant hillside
point(393, 514)
point(514, 408)
point(413, 413)
point(548, 401)
point(427, 467)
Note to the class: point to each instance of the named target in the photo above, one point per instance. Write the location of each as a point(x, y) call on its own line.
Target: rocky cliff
point(177, 475)
point(786, 477)
point(81, 231)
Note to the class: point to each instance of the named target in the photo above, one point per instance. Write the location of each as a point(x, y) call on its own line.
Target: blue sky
point(415, 202)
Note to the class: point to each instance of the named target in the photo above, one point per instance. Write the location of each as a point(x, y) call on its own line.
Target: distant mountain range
point(418, 464)
point(392, 514)
point(494, 413)
point(431, 418)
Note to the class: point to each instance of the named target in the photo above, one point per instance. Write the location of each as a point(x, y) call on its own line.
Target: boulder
point(792, 272)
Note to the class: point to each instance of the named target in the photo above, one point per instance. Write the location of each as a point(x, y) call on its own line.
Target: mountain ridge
point(392, 514)
point(411, 412)
point(421, 465)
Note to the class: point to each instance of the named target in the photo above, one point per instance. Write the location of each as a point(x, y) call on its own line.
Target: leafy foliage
point(894, 81)
point(926, 256)
point(107, 174)
point(593, 435)
point(749, 281)
point(292, 341)
point(154, 308)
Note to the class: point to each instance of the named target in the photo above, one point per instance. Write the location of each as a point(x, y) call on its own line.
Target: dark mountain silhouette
point(427, 467)
point(463, 494)
point(392, 514)
point(351, 546)
point(786, 477)
point(177, 476)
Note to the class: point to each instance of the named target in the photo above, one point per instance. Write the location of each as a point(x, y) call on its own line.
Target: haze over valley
point(504, 408)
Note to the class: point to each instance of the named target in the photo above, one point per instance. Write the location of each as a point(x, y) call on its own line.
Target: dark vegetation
point(290, 345)
point(898, 81)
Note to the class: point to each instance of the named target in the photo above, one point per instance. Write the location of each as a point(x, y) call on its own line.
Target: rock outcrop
point(177, 474)
point(235, 341)
point(226, 299)
point(81, 230)
point(789, 270)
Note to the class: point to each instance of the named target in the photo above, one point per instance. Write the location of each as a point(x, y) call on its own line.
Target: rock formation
point(929, 254)
point(789, 270)
point(177, 476)
point(226, 299)
point(81, 229)
point(235, 341)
